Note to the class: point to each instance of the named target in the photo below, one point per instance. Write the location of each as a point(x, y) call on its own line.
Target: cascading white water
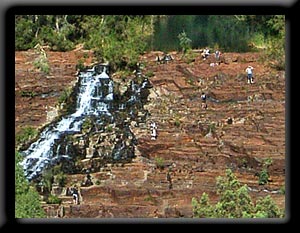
point(95, 98)
point(41, 153)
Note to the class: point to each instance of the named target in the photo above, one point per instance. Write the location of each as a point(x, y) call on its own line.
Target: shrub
point(282, 190)
point(149, 73)
point(263, 177)
point(61, 179)
point(160, 162)
point(41, 62)
point(190, 57)
point(52, 199)
point(87, 125)
point(149, 198)
point(27, 133)
point(27, 200)
point(48, 179)
point(65, 95)
point(212, 128)
point(177, 123)
point(28, 94)
point(109, 128)
point(267, 162)
point(80, 65)
point(85, 55)
point(98, 182)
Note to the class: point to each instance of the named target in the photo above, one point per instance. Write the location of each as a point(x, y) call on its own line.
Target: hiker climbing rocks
point(75, 195)
point(169, 180)
point(138, 70)
point(203, 99)
point(249, 74)
point(153, 134)
point(88, 181)
point(153, 129)
point(205, 53)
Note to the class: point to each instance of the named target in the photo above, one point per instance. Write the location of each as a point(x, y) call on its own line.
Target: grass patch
point(52, 199)
point(149, 73)
point(27, 133)
point(160, 162)
point(65, 95)
point(28, 94)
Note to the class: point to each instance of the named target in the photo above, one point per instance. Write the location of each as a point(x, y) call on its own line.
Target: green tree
point(234, 202)
point(202, 208)
point(267, 208)
point(52, 30)
point(27, 202)
point(275, 52)
point(24, 34)
point(271, 31)
point(184, 42)
point(228, 33)
point(119, 39)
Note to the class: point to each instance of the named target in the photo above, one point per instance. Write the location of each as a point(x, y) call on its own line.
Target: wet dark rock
point(99, 130)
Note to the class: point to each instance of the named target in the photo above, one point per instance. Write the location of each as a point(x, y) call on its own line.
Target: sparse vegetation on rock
point(27, 200)
point(235, 202)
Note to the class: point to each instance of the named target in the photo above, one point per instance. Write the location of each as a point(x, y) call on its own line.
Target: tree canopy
point(120, 39)
point(235, 202)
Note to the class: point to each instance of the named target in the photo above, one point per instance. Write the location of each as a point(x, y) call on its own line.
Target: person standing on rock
point(249, 72)
point(205, 53)
point(217, 55)
point(153, 128)
point(169, 179)
point(75, 195)
point(203, 99)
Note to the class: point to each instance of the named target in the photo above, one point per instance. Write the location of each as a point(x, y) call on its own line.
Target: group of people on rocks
point(250, 80)
point(206, 53)
point(74, 191)
point(165, 58)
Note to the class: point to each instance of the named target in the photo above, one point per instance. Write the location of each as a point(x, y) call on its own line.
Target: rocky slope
point(243, 125)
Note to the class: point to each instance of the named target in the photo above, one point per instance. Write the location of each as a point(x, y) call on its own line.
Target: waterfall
point(95, 98)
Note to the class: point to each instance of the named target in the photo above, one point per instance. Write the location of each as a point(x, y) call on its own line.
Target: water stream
point(95, 100)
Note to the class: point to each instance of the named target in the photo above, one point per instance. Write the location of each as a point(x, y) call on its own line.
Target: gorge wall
point(243, 125)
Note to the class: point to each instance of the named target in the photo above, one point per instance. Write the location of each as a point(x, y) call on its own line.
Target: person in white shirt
point(249, 71)
point(205, 53)
point(153, 128)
